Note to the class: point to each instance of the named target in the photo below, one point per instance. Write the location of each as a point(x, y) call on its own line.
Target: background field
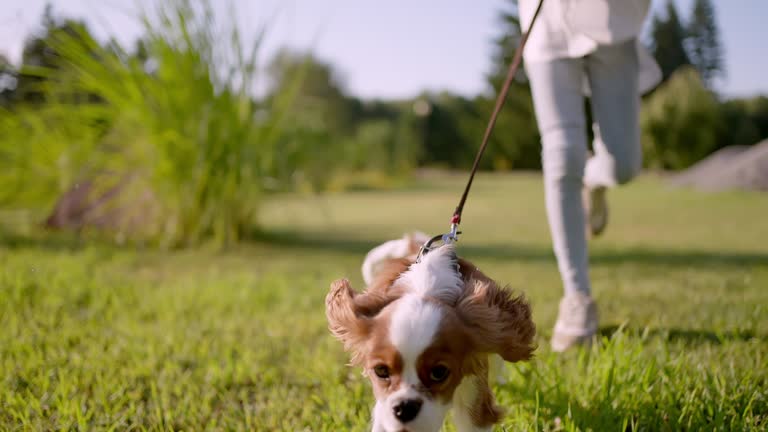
point(97, 337)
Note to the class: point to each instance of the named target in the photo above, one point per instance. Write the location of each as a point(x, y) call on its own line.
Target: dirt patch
point(730, 168)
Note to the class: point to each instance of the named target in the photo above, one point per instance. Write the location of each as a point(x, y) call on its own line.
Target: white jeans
point(557, 86)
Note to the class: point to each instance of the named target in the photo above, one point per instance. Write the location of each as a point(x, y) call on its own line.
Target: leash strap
point(513, 67)
point(453, 235)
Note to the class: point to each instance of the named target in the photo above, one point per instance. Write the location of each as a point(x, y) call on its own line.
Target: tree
point(40, 58)
point(447, 139)
point(8, 81)
point(704, 42)
point(680, 122)
point(322, 119)
point(320, 100)
point(505, 45)
point(745, 121)
point(515, 141)
point(668, 42)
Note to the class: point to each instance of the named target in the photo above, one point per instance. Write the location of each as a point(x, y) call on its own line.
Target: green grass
point(95, 337)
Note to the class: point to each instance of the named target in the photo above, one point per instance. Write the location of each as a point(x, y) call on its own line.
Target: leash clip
point(453, 235)
point(447, 238)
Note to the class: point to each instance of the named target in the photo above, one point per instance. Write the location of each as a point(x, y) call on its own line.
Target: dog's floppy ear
point(497, 320)
point(350, 315)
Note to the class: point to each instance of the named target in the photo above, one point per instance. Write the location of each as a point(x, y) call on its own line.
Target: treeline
point(683, 119)
point(165, 140)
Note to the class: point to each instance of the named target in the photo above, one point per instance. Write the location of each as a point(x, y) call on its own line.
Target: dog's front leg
point(473, 406)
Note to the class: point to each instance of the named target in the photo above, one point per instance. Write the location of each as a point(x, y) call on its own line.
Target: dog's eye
point(439, 373)
point(381, 371)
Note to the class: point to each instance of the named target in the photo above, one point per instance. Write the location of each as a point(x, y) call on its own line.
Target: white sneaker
point(596, 209)
point(576, 322)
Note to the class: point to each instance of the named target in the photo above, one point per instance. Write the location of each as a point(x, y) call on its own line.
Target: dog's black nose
point(407, 410)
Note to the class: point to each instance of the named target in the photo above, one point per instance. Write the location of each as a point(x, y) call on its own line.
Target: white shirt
point(575, 28)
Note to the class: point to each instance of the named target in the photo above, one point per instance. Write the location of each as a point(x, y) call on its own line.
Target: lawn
point(97, 337)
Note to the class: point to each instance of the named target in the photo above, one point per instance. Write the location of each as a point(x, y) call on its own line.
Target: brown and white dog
point(424, 332)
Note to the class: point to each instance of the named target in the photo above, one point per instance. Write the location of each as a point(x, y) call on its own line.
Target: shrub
point(175, 132)
point(680, 122)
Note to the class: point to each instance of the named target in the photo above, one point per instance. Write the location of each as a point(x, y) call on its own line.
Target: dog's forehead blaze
point(449, 346)
point(381, 351)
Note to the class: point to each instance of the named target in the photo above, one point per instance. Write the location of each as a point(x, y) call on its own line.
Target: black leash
point(453, 235)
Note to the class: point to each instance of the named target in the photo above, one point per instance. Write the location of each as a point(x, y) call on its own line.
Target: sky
point(393, 49)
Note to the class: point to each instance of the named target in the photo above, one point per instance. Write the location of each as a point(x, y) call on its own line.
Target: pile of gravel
point(734, 167)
